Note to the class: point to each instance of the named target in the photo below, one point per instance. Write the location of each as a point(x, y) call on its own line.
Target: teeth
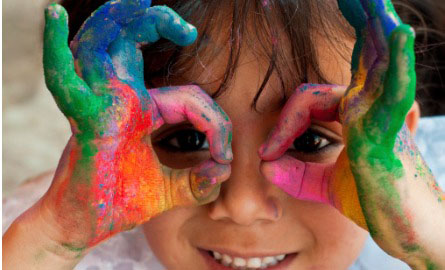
point(217, 255)
point(247, 263)
point(239, 262)
point(226, 260)
point(254, 263)
point(269, 261)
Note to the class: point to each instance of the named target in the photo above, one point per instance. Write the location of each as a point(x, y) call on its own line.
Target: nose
point(246, 197)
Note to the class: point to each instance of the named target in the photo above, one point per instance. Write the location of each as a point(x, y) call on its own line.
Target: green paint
point(205, 117)
point(73, 96)
point(40, 256)
point(430, 265)
point(72, 248)
point(411, 248)
point(219, 109)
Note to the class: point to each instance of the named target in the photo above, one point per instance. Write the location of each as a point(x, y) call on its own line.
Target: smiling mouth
point(224, 261)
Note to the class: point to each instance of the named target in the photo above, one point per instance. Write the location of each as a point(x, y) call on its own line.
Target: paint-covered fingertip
point(261, 151)
point(189, 36)
point(207, 178)
point(407, 30)
point(228, 155)
point(266, 153)
point(404, 37)
point(55, 11)
point(224, 157)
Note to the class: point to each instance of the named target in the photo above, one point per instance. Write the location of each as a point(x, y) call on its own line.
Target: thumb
point(195, 186)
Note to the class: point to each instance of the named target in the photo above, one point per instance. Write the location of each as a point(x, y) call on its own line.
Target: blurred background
point(34, 131)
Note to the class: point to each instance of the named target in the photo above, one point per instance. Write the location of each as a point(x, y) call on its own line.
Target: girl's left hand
point(380, 180)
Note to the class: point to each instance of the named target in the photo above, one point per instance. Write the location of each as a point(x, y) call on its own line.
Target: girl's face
point(252, 219)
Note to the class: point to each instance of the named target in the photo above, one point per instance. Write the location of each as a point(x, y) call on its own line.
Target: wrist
point(35, 241)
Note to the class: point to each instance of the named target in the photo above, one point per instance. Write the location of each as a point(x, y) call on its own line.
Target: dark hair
point(272, 18)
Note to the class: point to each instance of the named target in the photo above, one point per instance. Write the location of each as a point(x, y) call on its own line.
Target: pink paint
point(309, 101)
point(302, 180)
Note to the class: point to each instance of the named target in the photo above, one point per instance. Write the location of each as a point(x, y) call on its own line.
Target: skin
point(113, 120)
point(380, 165)
point(251, 215)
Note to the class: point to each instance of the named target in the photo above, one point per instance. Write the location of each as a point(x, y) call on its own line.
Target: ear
point(412, 118)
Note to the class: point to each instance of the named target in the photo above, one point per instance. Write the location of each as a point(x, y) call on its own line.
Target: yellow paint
point(345, 190)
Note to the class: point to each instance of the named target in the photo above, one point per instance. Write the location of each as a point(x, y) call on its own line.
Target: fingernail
point(262, 150)
point(229, 154)
point(209, 173)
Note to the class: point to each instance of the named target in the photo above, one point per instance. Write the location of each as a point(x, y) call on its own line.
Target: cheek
point(167, 239)
point(336, 239)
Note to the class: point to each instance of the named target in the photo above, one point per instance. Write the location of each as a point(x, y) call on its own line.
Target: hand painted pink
point(309, 101)
point(302, 180)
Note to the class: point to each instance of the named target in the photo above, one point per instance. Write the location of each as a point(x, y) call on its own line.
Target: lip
point(214, 265)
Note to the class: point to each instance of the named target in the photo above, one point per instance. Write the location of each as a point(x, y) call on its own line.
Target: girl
point(294, 189)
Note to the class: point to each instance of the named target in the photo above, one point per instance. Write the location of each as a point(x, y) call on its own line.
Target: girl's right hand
point(109, 178)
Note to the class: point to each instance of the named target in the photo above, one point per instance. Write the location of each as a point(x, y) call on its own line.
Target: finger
point(367, 82)
point(354, 13)
point(384, 12)
point(310, 101)
point(71, 93)
point(161, 22)
point(156, 22)
point(371, 57)
point(387, 115)
point(304, 181)
point(190, 103)
point(198, 185)
point(90, 44)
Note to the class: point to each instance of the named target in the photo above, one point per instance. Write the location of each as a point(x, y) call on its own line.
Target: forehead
point(254, 43)
point(254, 64)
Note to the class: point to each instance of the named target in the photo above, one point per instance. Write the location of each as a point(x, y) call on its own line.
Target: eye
point(185, 140)
point(311, 142)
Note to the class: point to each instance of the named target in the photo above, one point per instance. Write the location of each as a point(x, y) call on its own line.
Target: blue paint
point(205, 117)
point(110, 36)
point(381, 9)
point(353, 11)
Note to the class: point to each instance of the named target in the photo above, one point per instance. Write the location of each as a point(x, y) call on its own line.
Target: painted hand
point(379, 180)
point(109, 178)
